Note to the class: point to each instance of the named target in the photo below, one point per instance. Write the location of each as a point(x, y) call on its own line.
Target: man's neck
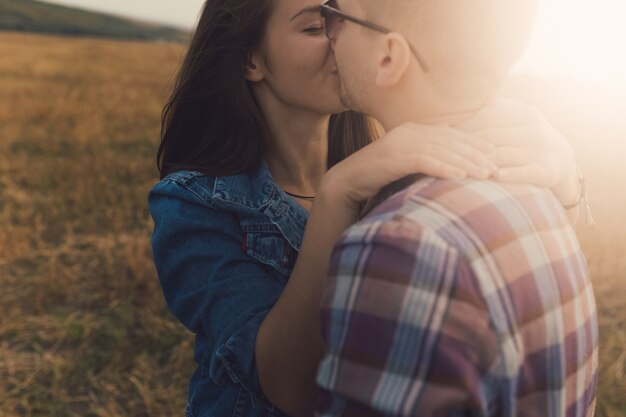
point(400, 109)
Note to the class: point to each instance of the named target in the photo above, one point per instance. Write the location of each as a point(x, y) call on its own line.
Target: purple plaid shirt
point(460, 298)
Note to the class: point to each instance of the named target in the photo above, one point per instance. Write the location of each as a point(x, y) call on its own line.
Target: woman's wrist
point(334, 194)
point(567, 189)
point(580, 193)
point(581, 200)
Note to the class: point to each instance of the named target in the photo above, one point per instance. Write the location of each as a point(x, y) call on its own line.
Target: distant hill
point(36, 16)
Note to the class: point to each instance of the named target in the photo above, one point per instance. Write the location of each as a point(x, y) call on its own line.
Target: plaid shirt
point(460, 298)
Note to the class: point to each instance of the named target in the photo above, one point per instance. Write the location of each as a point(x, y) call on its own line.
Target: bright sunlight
point(580, 39)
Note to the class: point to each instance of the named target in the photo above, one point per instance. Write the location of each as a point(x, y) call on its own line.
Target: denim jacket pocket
point(266, 244)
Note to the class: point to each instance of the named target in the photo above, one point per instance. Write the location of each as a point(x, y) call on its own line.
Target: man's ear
point(393, 61)
point(253, 67)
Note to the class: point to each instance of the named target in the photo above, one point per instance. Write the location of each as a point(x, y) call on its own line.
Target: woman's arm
point(289, 345)
point(211, 284)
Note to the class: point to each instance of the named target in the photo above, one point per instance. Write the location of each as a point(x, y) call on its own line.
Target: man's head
point(437, 56)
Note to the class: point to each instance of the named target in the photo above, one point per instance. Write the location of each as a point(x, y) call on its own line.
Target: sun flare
point(604, 33)
point(583, 39)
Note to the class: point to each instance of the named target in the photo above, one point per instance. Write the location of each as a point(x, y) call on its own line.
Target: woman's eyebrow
point(311, 9)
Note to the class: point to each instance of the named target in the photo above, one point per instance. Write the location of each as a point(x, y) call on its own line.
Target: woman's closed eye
point(314, 29)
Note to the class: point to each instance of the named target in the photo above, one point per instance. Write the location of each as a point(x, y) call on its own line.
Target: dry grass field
point(84, 330)
point(83, 326)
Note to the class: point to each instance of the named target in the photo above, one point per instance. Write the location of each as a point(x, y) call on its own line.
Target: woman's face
point(294, 59)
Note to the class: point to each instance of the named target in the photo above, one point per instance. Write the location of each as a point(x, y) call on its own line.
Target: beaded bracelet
point(582, 199)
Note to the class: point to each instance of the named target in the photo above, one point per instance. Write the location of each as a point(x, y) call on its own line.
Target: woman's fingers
point(473, 149)
point(506, 157)
point(423, 145)
point(437, 161)
point(438, 151)
point(437, 168)
point(478, 143)
point(481, 160)
point(527, 174)
point(526, 165)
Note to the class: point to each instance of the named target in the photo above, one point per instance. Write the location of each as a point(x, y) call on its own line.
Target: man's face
point(353, 60)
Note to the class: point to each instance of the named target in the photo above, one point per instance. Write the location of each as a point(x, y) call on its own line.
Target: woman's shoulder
point(183, 185)
point(250, 190)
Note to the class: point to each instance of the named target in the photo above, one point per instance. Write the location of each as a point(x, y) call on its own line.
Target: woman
point(247, 210)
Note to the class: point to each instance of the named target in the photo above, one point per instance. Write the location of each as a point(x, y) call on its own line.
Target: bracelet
point(582, 192)
point(582, 199)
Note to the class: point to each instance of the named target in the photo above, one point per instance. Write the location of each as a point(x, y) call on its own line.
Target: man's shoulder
point(464, 213)
point(431, 200)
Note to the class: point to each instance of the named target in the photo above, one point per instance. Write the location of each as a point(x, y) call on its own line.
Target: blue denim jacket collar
point(257, 191)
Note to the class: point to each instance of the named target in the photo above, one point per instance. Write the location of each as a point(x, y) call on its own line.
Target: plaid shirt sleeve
point(406, 330)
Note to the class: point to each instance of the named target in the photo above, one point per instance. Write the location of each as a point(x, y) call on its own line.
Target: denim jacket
point(224, 249)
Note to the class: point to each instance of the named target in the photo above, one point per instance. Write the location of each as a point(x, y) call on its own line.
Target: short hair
point(470, 43)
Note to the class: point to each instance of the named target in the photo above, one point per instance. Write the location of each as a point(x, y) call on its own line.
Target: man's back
point(460, 298)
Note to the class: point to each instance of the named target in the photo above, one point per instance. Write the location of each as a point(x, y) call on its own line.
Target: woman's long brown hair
point(212, 122)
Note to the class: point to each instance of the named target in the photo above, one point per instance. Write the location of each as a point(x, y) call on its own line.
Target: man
point(450, 298)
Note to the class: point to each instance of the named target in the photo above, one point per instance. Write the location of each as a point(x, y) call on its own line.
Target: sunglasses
point(334, 20)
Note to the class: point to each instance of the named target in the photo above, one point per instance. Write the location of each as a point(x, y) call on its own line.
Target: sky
point(580, 39)
point(181, 13)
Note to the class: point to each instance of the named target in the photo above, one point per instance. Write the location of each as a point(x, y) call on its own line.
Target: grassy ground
point(83, 326)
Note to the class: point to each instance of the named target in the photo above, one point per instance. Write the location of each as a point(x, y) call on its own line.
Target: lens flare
point(580, 39)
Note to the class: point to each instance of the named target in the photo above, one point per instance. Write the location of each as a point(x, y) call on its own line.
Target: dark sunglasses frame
point(328, 11)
